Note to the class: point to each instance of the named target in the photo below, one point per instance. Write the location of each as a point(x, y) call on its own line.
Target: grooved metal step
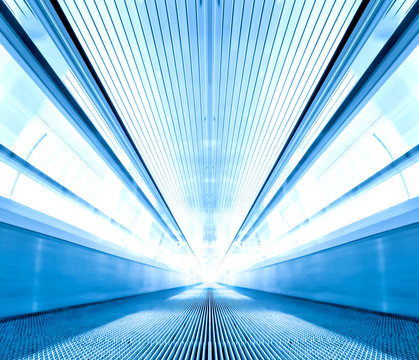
point(209, 323)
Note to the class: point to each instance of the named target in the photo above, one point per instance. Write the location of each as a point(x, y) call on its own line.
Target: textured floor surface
point(215, 322)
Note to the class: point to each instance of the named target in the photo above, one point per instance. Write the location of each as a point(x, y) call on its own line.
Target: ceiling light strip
point(121, 85)
point(162, 177)
point(178, 106)
point(17, 42)
point(245, 162)
point(403, 41)
point(362, 24)
point(230, 145)
point(263, 167)
point(76, 58)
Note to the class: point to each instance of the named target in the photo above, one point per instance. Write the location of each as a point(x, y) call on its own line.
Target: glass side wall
point(65, 178)
point(371, 166)
point(56, 60)
point(373, 44)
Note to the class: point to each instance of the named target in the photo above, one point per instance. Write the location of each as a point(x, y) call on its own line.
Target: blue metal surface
point(209, 322)
point(378, 273)
point(40, 273)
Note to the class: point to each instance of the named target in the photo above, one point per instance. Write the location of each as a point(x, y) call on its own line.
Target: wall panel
point(379, 273)
point(40, 272)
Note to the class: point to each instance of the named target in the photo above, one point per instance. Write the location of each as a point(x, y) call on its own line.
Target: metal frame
point(393, 53)
point(24, 51)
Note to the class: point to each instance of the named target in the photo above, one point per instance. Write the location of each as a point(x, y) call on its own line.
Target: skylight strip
point(246, 84)
point(245, 162)
point(395, 51)
point(187, 141)
point(237, 143)
point(177, 103)
point(146, 134)
point(227, 121)
point(274, 122)
point(191, 117)
point(153, 107)
point(132, 128)
point(26, 54)
point(237, 110)
point(232, 124)
point(195, 77)
point(265, 73)
point(281, 44)
point(287, 100)
point(137, 142)
point(140, 108)
point(206, 36)
point(185, 206)
point(225, 87)
point(149, 68)
point(186, 117)
point(154, 129)
point(220, 122)
point(244, 121)
point(195, 120)
point(276, 151)
point(178, 132)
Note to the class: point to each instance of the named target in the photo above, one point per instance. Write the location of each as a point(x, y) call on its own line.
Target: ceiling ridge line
point(165, 117)
point(170, 78)
point(106, 97)
point(362, 12)
point(233, 173)
point(182, 118)
point(163, 150)
point(224, 151)
point(264, 164)
point(380, 69)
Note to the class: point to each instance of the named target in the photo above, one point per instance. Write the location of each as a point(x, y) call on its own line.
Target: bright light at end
point(210, 276)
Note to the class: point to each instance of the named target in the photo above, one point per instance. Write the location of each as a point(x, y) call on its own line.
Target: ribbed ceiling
point(209, 92)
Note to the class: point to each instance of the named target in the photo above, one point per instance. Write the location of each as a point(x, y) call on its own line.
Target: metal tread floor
point(202, 323)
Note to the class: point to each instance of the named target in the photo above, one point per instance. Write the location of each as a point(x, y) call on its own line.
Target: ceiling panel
point(210, 91)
